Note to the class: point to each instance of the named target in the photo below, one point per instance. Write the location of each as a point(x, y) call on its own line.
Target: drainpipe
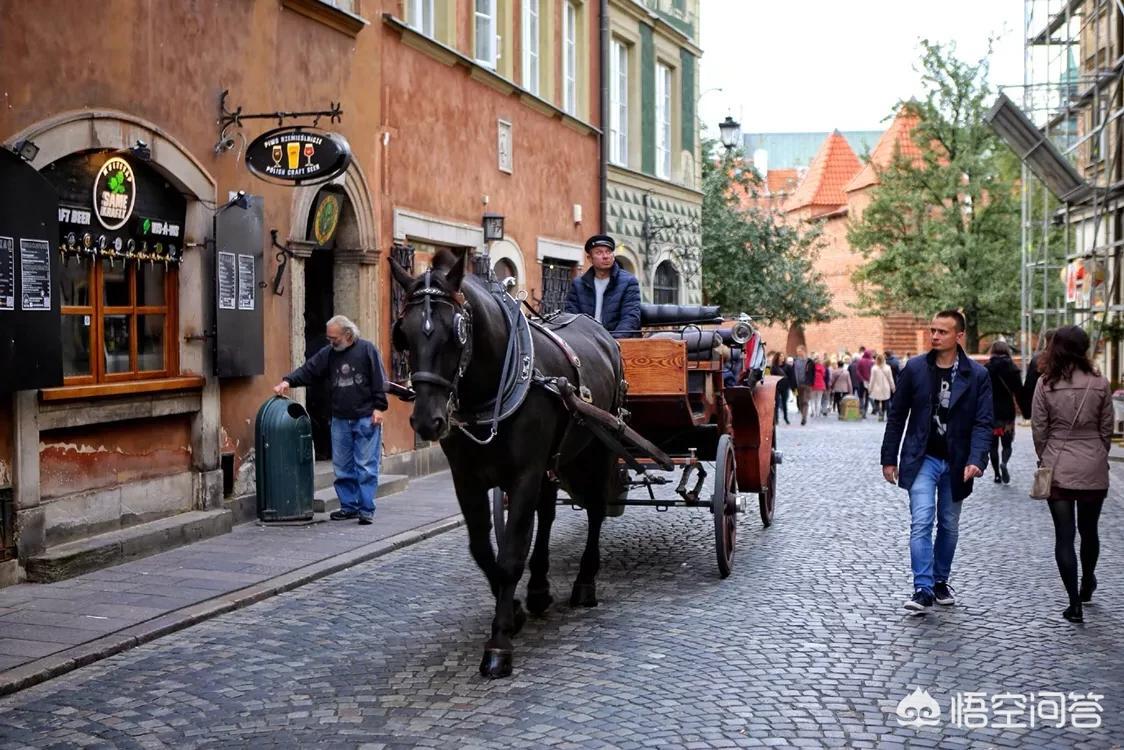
point(604, 118)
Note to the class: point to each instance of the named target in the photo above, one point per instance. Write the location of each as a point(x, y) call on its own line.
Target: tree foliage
point(752, 261)
point(942, 231)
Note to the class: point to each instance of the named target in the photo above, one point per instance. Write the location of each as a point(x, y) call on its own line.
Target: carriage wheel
point(767, 498)
point(499, 515)
point(724, 505)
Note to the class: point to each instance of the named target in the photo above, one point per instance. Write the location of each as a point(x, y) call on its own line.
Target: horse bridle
point(462, 329)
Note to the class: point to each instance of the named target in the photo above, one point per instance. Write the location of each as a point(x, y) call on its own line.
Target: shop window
point(556, 278)
point(116, 320)
point(665, 287)
point(119, 257)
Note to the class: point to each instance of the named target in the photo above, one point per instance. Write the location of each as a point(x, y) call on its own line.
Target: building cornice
point(643, 181)
point(639, 13)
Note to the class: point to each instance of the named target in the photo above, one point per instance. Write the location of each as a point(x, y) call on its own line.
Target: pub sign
point(298, 156)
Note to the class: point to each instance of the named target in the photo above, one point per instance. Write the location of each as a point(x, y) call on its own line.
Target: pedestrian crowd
point(819, 382)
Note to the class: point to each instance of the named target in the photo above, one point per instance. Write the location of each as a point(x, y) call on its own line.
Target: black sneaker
point(944, 594)
point(1006, 474)
point(365, 519)
point(343, 515)
point(920, 603)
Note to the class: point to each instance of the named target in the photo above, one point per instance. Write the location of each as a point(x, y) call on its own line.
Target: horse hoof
point(519, 618)
point(584, 595)
point(539, 602)
point(496, 663)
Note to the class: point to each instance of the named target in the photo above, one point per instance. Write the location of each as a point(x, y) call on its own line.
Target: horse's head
point(435, 329)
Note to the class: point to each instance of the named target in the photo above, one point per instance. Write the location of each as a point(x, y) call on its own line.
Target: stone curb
point(53, 665)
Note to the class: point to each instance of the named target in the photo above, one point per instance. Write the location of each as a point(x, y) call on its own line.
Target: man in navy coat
point(606, 292)
point(947, 398)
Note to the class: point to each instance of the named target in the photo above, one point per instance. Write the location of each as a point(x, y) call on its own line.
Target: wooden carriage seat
point(702, 346)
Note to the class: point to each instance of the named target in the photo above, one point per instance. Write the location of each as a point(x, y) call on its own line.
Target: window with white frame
point(531, 46)
point(618, 102)
point(419, 14)
point(569, 57)
point(663, 121)
point(486, 33)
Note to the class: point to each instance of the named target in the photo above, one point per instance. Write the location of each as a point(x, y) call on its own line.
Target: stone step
point(325, 500)
point(75, 558)
point(323, 475)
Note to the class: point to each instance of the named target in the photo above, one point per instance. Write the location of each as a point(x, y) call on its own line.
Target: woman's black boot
point(1088, 586)
point(1073, 613)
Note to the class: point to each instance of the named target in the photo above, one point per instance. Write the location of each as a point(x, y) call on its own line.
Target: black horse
point(459, 331)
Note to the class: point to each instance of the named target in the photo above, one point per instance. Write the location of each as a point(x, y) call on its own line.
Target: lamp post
point(730, 132)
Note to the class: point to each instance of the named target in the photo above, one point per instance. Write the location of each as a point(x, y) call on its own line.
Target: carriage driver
point(606, 292)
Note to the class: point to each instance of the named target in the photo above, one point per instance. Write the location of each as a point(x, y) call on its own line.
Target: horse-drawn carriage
point(524, 408)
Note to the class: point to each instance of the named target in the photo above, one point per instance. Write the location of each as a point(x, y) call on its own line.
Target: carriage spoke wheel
point(499, 516)
point(767, 498)
point(724, 505)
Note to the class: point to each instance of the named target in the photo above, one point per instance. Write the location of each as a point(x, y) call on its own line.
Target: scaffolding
point(1072, 92)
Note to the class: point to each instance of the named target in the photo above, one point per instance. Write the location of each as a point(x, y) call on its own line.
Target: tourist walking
point(777, 367)
point(1005, 387)
point(840, 385)
point(1071, 419)
point(946, 398)
point(881, 386)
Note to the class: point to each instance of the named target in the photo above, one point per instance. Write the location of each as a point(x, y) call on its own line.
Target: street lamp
point(730, 132)
point(493, 227)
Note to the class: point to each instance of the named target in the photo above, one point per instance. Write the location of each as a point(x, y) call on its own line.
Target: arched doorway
point(665, 286)
point(331, 224)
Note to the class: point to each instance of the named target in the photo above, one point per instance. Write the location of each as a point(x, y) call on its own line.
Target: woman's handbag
point(1044, 475)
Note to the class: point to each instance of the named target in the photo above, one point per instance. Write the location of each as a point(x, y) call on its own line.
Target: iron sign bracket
point(227, 118)
point(282, 261)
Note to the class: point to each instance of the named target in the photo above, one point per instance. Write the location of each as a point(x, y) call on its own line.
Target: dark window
point(665, 288)
point(503, 269)
point(404, 255)
point(556, 278)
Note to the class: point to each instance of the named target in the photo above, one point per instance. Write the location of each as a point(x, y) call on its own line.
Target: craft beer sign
point(115, 193)
point(298, 156)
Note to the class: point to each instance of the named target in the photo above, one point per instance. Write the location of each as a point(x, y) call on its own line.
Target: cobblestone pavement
point(805, 644)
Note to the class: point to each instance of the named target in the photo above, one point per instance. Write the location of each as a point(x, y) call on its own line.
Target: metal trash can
point(849, 408)
point(284, 469)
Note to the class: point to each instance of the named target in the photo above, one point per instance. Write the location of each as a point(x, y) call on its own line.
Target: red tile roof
point(832, 168)
point(896, 140)
point(781, 180)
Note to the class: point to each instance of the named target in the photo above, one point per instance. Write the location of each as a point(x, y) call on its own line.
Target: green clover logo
point(146, 225)
point(117, 182)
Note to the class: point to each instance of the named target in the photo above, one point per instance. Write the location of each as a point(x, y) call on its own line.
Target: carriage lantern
point(493, 227)
point(730, 132)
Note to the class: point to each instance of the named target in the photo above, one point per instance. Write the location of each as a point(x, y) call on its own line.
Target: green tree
point(751, 260)
point(942, 231)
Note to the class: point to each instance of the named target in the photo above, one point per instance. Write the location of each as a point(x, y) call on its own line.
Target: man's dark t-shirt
point(356, 377)
point(938, 425)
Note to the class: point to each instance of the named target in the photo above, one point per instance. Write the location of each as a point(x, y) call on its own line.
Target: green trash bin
point(284, 469)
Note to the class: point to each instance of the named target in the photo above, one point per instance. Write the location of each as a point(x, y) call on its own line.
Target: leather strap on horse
point(612, 431)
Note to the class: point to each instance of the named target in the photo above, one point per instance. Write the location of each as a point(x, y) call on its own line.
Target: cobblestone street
point(806, 644)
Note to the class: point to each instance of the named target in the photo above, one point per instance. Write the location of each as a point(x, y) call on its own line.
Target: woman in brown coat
point(1072, 425)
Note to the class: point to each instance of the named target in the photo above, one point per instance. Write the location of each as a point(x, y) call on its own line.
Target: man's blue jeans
point(356, 455)
point(930, 498)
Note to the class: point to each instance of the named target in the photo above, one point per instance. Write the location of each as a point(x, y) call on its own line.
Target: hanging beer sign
point(115, 193)
point(298, 156)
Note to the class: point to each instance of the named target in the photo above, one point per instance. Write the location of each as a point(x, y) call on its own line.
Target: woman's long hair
point(1067, 351)
point(1000, 349)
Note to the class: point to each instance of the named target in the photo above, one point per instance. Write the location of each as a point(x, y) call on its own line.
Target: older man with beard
point(358, 394)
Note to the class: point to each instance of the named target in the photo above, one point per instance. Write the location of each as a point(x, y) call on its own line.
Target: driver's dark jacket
point(620, 307)
point(355, 375)
point(969, 420)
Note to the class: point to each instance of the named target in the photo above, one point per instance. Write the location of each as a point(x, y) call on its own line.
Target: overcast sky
point(812, 65)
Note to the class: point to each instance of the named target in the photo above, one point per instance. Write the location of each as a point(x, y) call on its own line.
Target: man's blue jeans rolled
point(356, 456)
point(930, 498)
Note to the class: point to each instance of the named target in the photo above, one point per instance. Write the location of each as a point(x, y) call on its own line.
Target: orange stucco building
point(447, 119)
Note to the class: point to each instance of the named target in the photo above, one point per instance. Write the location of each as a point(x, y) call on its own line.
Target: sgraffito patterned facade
point(654, 206)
